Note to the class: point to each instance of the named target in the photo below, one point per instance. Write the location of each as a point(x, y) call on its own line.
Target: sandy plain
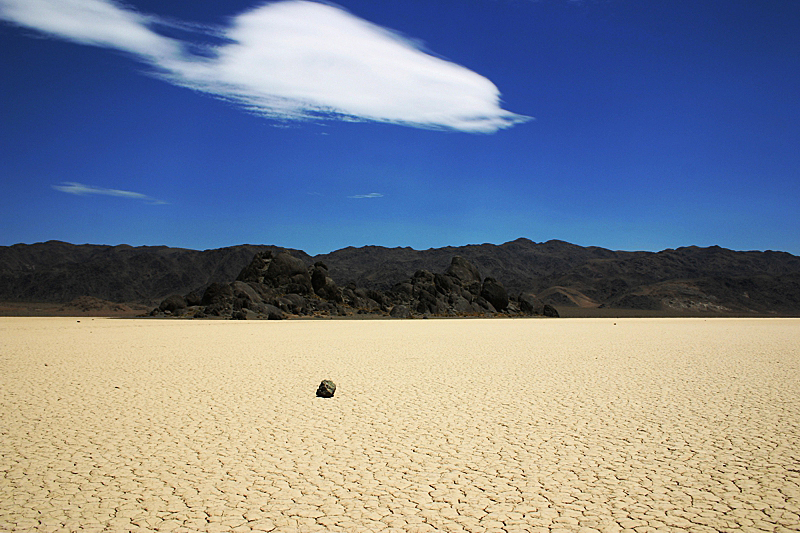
point(437, 425)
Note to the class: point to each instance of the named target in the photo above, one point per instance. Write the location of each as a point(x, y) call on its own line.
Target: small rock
point(326, 389)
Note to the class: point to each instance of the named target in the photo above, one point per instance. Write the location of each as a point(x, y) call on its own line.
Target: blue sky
point(617, 123)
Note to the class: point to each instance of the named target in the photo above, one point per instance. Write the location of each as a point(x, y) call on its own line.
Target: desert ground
point(437, 425)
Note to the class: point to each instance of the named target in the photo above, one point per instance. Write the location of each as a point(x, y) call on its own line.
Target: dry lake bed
point(437, 425)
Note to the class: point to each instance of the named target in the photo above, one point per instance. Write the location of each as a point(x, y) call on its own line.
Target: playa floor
point(437, 425)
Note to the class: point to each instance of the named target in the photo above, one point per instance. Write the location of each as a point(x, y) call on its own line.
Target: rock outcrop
point(494, 293)
point(277, 285)
point(173, 303)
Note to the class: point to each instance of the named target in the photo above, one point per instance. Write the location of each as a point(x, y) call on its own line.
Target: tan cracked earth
point(437, 425)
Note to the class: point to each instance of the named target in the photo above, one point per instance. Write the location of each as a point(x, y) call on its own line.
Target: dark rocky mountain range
point(688, 280)
point(59, 272)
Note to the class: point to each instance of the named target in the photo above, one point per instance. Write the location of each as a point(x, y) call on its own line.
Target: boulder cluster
point(279, 285)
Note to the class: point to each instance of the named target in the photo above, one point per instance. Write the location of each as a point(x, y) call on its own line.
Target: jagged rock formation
point(278, 285)
point(457, 292)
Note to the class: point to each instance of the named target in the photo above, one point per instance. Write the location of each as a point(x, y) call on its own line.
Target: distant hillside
point(691, 279)
point(522, 265)
point(688, 279)
point(59, 272)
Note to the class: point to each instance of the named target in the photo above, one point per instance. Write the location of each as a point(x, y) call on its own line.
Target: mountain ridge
point(688, 278)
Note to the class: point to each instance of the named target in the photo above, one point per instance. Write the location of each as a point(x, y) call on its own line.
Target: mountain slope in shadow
point(689, 279)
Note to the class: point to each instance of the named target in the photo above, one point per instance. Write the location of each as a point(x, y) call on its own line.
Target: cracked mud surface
point(437, 425)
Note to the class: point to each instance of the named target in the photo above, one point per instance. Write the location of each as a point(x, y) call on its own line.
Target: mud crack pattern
point(440, 425)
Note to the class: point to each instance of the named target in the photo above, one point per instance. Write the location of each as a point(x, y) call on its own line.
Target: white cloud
point(290, 60)
point(95, 22)
point(370, 195)
point(80, 189)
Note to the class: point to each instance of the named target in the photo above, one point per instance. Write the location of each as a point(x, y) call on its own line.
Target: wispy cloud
point(370, 195)
point(95, 22)
point(80, 189)
point(290, 60)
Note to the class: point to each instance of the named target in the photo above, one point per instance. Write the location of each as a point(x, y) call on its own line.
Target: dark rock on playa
point(326, 389)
